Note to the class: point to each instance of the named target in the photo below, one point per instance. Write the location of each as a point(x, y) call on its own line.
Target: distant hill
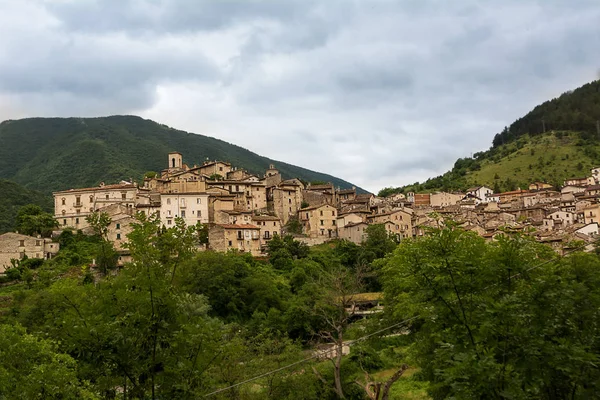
point(577, 110)
point(557, 140)
point(50, 154)
point(12, 197)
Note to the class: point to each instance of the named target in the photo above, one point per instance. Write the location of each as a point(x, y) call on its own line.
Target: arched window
point(63, 201)
point(173, 162)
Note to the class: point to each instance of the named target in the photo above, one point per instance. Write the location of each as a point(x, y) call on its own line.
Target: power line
point(360, 339)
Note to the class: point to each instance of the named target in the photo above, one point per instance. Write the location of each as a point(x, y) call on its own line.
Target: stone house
point(591, 213)
point(17, 246)
point(444, 199)
point(400, 219)
point(269, 227)
point(286, 199)
point(319, 221)
point(583, 181)
point(241, 237)
point(352, 217)
point(192, 207)
point(539, 186)
point(353, 231)
point(480, 193)
point(71, 207)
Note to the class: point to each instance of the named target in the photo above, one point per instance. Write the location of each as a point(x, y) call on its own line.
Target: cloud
point(380, 93)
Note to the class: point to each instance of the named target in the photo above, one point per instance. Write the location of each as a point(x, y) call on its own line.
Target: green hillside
point(576, 110)
point(558, 139)
point(49, 154)
point(13, 196)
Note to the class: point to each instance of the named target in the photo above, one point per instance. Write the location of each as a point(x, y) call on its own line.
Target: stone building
point(400, 219)
point(17, 246)
point(192, 207)
point(72, 206)
point(286, 199)
point(269, 226)
point(353, 231)
point(319, 221)
point(241, 237)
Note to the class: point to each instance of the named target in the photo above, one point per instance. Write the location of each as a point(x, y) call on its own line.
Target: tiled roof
point(99, 188)
point(238, 226)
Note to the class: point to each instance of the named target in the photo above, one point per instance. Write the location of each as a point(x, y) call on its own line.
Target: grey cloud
point(379, 92)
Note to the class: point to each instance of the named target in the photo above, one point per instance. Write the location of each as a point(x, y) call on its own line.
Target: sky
point(379, 92)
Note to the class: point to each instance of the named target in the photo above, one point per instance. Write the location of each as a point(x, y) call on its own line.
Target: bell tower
point(175, 161)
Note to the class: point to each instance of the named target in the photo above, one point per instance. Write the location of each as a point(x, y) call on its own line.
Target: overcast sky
point(378, 92)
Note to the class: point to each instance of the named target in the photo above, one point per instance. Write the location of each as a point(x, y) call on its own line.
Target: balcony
point(78, 205)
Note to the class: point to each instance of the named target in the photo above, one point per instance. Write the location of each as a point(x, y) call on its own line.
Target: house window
point(76, 220)
point(123, 196)
point(64, 221)
point(169, 222)
point(199, 213)
point(321, 213)
point(230, 243)
point(22, 255)
point(182, 202)
point(333, 213)
point(168, 213)
point(91, 199)
point(266, 234)
point(322, 223)
point(274, 223)
point(118, 226)
point(38, 242)
point(290, 201)
point(237, 188)
point(239, 235)
point(198, 200)
point(118, 236)
point(63, 201)
point(182, 213)
point(78, 200)
point(221, 169)
point(107, 197)
point(169, 201)
point(21, 243)
point(333, 222)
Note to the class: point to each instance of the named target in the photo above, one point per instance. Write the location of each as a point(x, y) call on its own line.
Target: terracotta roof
point(98, 188)
point(314, 207)
point(265, 218)
point(238, 226)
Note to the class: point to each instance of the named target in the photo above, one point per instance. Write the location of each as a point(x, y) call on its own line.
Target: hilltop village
point(244, 211)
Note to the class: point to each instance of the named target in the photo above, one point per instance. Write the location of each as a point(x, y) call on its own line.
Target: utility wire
point(360, 339)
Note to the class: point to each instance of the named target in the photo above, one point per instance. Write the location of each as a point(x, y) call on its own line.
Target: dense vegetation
point(464, 318)
point(577, 110)
point(14, 196)
point(49, 154)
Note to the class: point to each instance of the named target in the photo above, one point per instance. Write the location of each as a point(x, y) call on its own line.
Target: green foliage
point(15, 197)
point(491, 327)
point(577, 110)
point(293, 225)
point(32, 368)
point(50, 154)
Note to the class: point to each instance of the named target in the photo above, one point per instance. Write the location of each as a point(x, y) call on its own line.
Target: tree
point(487, 324)
point(33, 368)
point(32, 220)
point(106, 256)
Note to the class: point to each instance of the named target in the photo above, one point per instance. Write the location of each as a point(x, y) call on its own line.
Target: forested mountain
point(49, 154)
point(577, 110)
point(14, 196)
point(556, 140)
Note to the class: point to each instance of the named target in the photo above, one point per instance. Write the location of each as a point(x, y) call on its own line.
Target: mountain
point(558, 139)
point(12, 197)
point(50, 154)
point(577, 110)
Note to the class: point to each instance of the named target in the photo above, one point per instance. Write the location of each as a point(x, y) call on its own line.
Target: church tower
point(175, 161)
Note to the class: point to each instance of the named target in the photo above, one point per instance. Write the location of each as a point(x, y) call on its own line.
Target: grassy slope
point(50, 154)
point(540, 158)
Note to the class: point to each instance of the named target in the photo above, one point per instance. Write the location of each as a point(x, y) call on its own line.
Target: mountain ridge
point(49, 154)
point(557, 139)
